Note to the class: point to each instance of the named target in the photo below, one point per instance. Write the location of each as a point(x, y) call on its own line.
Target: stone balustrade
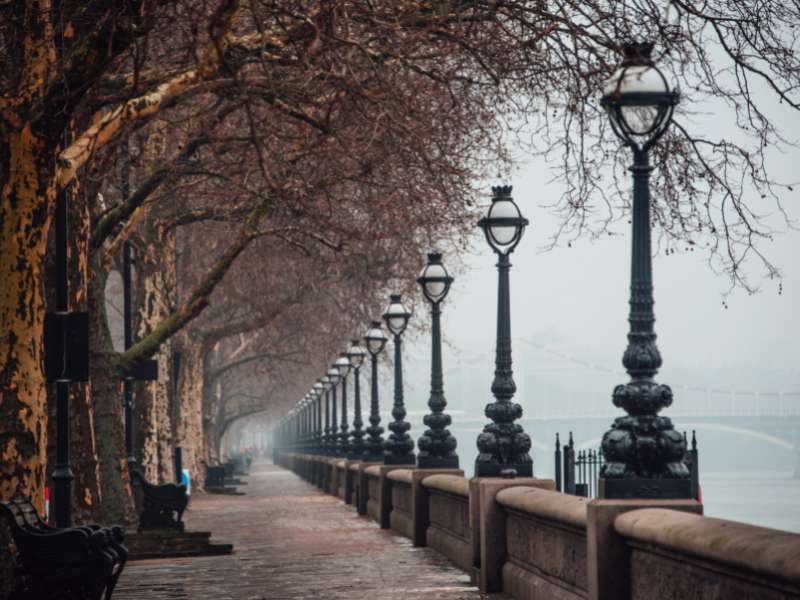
point(678, 555)
point(545, 544)
point(450, 531)
point(521, 537)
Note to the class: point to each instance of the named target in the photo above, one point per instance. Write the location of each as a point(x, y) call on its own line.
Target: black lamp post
point(305, 421)
point(316, 418)
point(503, 446)
point(436, 446)
point(399, 446)
point(644, 455)
point(325, 432)
point(333, 432)
point(356, 355)
point(375, 451)
point(343, 365)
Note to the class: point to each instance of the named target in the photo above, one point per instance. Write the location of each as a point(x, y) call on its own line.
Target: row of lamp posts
point(503, 445)
point(644, 455)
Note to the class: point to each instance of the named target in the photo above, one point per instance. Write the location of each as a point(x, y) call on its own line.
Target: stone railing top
point(545, 503)
point(340, 463)
point(373, 471)
point(401, 475)
point(453, 484)
point(769, 552)
point(354, 466)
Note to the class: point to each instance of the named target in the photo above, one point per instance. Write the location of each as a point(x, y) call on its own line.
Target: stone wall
point(401, 516)
point(545, 544)
point(680, 555)
point(373, 493)
point(449, 531)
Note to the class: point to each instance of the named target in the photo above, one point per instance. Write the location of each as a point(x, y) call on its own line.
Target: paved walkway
point(294, 542)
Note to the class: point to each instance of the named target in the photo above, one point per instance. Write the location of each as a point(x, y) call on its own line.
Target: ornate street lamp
point(644, 455)
point(333, 435)
point(399, 446)
point(325, 431)
point(343, 364)
point(356, 354)
point(503, 445)
point(308, 405)
point(319, 390)
point(376, 341)
point(436, 446)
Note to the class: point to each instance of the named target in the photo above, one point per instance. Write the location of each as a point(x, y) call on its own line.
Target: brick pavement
point(292, 542)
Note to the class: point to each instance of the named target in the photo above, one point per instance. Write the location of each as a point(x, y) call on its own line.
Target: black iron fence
point(577, 472)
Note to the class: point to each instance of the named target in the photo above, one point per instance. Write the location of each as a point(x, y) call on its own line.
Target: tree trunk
point(211, 406)
point(27, 195)
point(190, 410)
point(155, 286)
point(115, 480)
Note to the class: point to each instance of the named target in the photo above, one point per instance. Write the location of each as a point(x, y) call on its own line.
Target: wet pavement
point(291, 541)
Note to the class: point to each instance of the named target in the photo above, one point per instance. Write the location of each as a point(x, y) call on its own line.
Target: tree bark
point(155, 287)
point(118, 503)
point(189, 427)
point(27, 195)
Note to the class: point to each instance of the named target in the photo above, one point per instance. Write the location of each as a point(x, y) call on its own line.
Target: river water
point(765, 498)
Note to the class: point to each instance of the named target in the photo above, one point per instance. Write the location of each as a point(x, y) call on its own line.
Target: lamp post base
point(483, 469)
point(639, 489)
point(434, 462)
point(408, 459)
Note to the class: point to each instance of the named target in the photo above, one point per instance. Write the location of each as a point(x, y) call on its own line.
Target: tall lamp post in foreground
point(343, 364)
point(436, 446)
point(376, 341)
point(644, 455)
point(356, 354)
point(399, 446)
point(503, 446)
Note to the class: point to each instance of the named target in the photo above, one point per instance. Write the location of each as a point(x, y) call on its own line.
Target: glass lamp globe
point(334, 375)
point(503, 224)
point(434, 279)
point(396, 315)
point(356, 354)
point(375, 339)
point(638, 98)
point(343, 364)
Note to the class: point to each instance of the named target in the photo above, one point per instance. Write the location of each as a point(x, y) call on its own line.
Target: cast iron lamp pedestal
point(644, 455)
point(503, 446)
point(399, 446)
point(436, 446)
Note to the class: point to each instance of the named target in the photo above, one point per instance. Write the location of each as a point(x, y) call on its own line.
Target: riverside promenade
point(293, 541)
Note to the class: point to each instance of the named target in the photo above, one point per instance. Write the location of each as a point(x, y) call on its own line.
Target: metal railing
point(578, 472)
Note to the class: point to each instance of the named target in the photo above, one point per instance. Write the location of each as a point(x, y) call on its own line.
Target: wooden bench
point(83, 562)
point(162, 505)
